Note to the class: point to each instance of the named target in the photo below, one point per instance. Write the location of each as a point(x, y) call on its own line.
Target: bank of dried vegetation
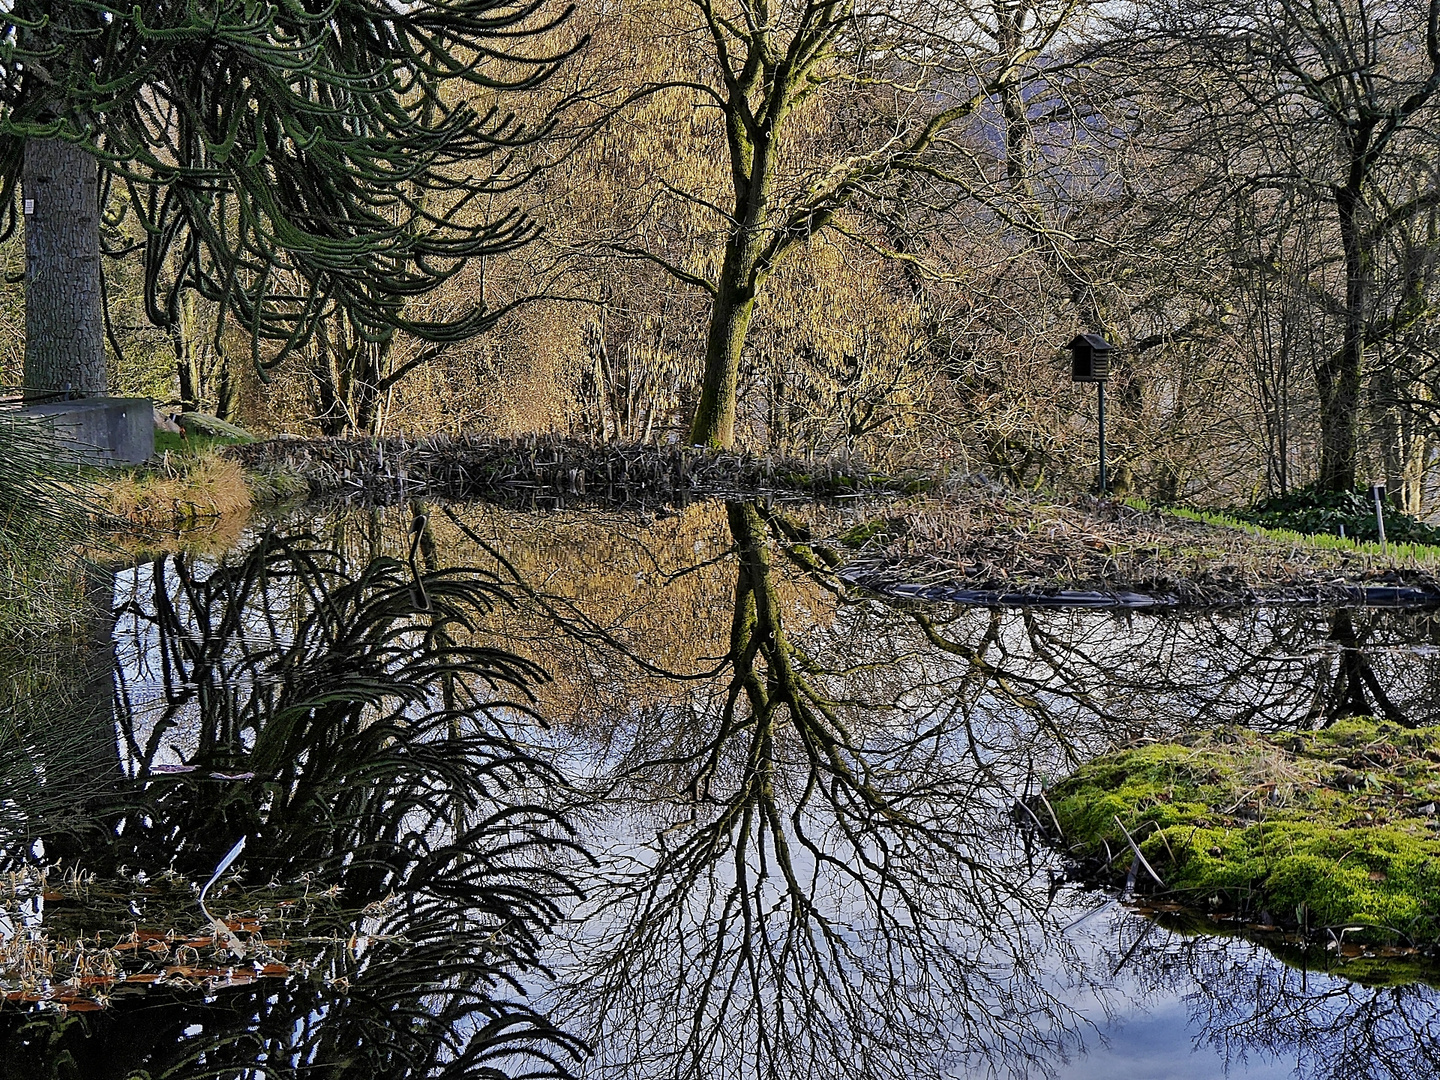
point(928, 535)
point(474, 466)
point(975, 537)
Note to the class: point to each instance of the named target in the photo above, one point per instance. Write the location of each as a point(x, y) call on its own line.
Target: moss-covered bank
point(1331, 834)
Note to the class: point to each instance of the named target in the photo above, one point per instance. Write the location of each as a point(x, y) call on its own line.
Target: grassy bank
point(1348, 546)
point(1314, 510)
point(191, 482)
point(1328, 836)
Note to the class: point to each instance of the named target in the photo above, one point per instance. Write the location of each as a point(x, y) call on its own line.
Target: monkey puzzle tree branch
point(334, 147)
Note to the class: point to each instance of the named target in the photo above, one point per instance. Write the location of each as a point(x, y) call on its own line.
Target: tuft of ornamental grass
point(192, 481)
point(178, 489)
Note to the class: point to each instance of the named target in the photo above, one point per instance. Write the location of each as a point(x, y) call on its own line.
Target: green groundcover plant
point(1327, 832)
point(1310, 510)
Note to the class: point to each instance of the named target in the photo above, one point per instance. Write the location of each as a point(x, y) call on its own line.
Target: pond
point(637, 793)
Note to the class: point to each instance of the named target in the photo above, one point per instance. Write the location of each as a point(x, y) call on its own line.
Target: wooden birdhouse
point(1090, 358)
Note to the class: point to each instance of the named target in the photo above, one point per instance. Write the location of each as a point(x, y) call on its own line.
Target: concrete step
point(100, 430)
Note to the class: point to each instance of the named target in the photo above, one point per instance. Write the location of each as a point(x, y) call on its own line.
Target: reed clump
point(44, 517)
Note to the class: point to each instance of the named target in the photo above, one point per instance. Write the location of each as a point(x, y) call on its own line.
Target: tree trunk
point(1338, 375)
point(1412, 486)
point(227, 390)
point(1339, 382)
point(203, 371)
point(64, 327)
point(347, 374)
point(752, 163)
point(187, 369)
point(729, 323)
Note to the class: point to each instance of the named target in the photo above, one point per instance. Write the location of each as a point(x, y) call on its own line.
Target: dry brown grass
point(178, 490)
point(983, 537)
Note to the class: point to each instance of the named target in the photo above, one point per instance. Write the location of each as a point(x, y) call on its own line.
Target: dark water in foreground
point(616, 796)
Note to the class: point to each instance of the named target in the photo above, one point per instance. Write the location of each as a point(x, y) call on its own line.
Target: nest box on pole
point(1090, 358)
point(1090, 362)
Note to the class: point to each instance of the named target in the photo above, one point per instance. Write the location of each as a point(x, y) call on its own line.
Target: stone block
point(101, 430)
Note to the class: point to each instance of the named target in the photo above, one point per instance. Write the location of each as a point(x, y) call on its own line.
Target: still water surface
point(622, 795)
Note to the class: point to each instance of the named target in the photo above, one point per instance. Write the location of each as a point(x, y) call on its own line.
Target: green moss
point(192, 445)
point(858, 535)
point(1320, 830)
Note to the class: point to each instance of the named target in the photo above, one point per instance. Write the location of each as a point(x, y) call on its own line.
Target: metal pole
point(1104, 485)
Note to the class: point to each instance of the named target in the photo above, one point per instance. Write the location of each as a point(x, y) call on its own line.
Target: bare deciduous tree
point(1324, 114)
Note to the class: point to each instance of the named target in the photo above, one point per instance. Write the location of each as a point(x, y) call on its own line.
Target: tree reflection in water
point(1248, 1008)
point(793, 805)
point(809, 870)
point(801, 886)
point(307, 700)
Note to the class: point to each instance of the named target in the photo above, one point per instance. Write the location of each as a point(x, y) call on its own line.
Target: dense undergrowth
point(1337, 513)
point(1326, 833)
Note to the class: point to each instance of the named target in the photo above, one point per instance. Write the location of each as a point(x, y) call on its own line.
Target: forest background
point(873, 230)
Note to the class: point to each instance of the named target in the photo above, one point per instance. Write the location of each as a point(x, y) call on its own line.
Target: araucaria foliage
point(289, 160)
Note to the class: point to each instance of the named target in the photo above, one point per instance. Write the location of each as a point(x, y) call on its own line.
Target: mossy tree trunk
point(204, 372)
point(1338, 375)
point(731, 309)
point(349, 375)
point(352, 375)
point(764, 63)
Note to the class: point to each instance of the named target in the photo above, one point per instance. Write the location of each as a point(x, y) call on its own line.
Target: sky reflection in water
point(790, 807)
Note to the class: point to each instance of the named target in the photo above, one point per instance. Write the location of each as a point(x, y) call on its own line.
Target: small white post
point(1377, 493)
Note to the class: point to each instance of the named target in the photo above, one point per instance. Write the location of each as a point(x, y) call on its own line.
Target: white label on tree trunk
point(29, 207)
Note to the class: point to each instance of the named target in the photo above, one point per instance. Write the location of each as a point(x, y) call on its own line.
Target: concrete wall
point(101, 430)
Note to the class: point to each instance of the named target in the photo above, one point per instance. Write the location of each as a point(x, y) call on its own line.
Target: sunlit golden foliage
point(924, 326)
